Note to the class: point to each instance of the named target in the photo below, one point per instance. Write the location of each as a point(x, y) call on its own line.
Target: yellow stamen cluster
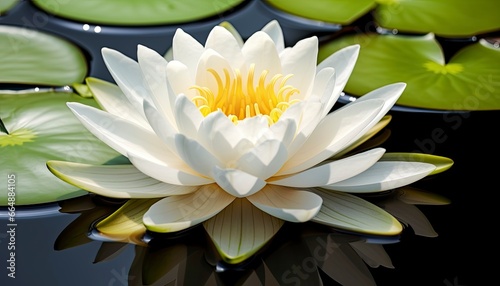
point(238, 102)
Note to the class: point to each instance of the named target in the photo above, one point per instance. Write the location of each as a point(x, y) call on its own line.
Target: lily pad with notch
point(468, 81)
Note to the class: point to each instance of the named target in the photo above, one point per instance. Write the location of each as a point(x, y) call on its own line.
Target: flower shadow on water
point(299, 254)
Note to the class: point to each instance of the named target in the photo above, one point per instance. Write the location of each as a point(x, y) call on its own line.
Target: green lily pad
point(40, 128)
point(449, 18)
point(442, 163)
point(33, 57)
point(6, 5)
point(469, 81)
point(136, 12)
point(332, 11)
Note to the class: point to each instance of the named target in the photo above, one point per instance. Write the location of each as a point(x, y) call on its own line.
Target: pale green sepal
point(442, 163)
point(349, 212)
point(240, 230)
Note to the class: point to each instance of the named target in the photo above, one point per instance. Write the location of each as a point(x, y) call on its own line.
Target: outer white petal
point(154, 70)
point(196, 156)
point(174, 173)
point(389, 93)
point(343, 62)
point(260, 50)
point(273, 29)
point(186, 50)
point(119, 134)
point(332, 135)
point(237, 182)
point(331, 172)
point(176, 213)
point(224, 43)
point(264, 160)
point(384, 176)
point(116, 181)
point(111, 98)
point(187, 116)
point(128, 76)
point(287, 204)
point(301, 62)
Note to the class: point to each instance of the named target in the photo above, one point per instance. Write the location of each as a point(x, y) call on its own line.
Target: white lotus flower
point(240, 135)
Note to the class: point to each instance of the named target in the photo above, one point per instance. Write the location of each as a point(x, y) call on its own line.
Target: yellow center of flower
point(238, 102)
point(18, 137)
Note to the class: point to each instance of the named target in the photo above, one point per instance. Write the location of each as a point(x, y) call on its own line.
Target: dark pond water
point(54, 247)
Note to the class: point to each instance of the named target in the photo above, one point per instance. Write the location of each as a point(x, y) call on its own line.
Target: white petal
point(240, 230)
point(176, 172)
point(384, 176)
point(186, 50)
point(128, 76)
point(180, 80)
point(324, 86)
point(346, 211)
point(116, 181)
point(119, 134)
point(301, 62)
point(253, 128)
point(221, 137)
point(287, 204)
point(176, 213)
point(187, 116)
point(111, 98)
point(161, 126)
point(264, 160)
point(224, 43)
point(237, 183)
point(154, 71)
point(332, 135)
point(273, 29)
point(389, 93)
point(211, 60)
point(283, 130)
point(332, 172)
point(343, 62)
point(196, 156)
point(307, 115)
point(260, 50)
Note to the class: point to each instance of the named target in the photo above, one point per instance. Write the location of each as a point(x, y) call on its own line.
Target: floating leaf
point(442, 163)
point(136, 12)
point(332, 11)
point(449, 18)
point(126, 223)
point(32, 57)
point(240, 230)
point(6, 5)
point(348, 212)
point(40, 128)
point(469, 81)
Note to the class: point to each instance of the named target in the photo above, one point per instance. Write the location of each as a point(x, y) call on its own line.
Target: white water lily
point(240, 136)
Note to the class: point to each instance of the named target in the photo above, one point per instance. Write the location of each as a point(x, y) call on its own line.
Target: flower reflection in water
point(300, 254)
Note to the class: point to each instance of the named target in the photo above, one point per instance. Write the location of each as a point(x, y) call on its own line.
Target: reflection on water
point(300, 254)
